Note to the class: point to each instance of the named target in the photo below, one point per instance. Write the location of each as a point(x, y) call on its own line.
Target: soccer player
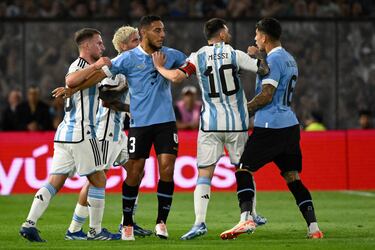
point(276, 132)
point(224, 119)
point(152, 119)
point(76, 148)
point(109, 127)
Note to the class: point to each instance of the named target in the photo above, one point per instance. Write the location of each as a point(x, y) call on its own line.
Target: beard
point(155, 47)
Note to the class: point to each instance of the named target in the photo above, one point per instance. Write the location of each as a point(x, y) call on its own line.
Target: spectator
point(365, 119)
point(33, 114)
point(188, 109)
point(315, 122)
point(9, 117)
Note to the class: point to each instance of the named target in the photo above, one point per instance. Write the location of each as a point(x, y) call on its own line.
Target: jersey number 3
point(223, 80)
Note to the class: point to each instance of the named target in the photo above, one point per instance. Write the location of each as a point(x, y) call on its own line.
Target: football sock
point(303, 200)
point(245, 216)
point(135, 208)
point(40, 204)
point(129, 196)
point(165, 195)
point(96, 202)
point(253, 211)
point(79, 217)
point(202, 194)
point(245, 190)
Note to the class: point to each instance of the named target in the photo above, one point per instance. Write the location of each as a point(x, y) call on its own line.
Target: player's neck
point(271, 46)
point(87, 57)
point(214, 40)
point(148, 49)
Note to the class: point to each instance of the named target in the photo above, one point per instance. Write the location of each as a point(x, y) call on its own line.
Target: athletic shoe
point(139, 231)
point(31, 234)
point(127, 233)
point(161, 231)
point(195, 231)
point(79, 235)
point(103, 235)
point(315, 235)
point(242, 227)
point(259, 220)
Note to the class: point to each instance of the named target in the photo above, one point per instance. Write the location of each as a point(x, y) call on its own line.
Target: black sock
point(129, 195)
point(303, 200)
point(245, 190)
point(165, 195)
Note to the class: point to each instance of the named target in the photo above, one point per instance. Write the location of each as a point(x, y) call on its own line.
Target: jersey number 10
point(213, 92)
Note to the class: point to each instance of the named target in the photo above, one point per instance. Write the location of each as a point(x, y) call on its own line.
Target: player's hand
point(102, 62)
point(159, 59)
point(253, 52)
point(62, 92)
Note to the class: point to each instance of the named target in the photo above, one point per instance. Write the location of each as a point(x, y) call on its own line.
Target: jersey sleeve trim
point(270, 81)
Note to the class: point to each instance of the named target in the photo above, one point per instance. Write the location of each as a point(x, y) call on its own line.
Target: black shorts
point(162, 135)
point(280, 146)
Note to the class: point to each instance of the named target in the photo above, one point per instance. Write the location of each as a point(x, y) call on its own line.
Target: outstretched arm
point(262, 99)
point(173, 75)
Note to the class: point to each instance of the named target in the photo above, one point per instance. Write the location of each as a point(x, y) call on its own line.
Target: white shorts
point(211, 146)
point(115, 152)
point(84, 158)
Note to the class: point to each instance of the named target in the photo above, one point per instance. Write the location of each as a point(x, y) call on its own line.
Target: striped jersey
point(283, 76)
point(80, 111)
point(150, 93)
point(110, 123)
point(217, 68)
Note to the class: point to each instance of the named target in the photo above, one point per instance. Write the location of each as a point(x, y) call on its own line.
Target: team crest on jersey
point(175, 137)
point(141, 66)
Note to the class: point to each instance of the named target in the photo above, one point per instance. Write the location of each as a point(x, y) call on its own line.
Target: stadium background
point(334, 45)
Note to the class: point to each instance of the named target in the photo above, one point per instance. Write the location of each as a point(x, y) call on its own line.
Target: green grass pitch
point(347, 219)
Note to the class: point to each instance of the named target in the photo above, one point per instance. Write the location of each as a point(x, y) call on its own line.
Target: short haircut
point(147, 20)
point(271, 27)
point(212, 27)
point(122, 36)
point(83, 34)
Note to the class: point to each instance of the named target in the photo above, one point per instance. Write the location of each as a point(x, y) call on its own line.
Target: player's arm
point(173, 75)
point(66, 92)
point(117, 105)
point(255, 53)
point(262, 99)
point(77, 78)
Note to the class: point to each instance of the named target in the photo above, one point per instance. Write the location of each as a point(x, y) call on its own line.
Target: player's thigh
point(210, 148)
point(88, 156)
point(291, 157)
point(165, 138)
point(139, 142)
point(261, 148)
point(235, 144)
point(63, 160)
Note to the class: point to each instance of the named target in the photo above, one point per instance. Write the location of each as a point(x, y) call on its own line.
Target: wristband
point(106, 71)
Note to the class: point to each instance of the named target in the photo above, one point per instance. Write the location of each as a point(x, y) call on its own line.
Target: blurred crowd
point(185, 8)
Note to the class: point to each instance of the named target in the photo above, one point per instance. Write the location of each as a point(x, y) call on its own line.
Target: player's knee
point(291, 176)
point(98, 179)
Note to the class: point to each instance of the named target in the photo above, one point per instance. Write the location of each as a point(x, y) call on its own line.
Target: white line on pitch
point(359, 193)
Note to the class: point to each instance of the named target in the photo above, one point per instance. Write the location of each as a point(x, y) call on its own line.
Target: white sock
point(254, 212)
point(79, 218)
point(313, 227)
point(135, 208)
point(202, 195)
point(245, 216)
point(40, 204)
point(96, 200)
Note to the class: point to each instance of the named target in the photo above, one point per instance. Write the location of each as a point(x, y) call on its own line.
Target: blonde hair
point(122, 36)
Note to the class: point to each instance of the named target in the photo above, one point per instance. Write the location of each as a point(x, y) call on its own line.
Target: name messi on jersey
point(218, 56)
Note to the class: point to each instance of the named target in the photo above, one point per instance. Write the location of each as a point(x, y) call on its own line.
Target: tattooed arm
point(262, 99)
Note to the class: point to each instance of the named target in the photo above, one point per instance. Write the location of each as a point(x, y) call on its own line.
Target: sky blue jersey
point(150, 92)
point(283, 76)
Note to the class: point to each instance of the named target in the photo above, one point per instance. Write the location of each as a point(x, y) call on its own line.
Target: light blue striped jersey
point(80, 111)
point(283, 75)
point(217, 68)
point(110, 123)
point(150, 93)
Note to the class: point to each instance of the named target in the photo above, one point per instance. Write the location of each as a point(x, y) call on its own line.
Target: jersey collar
point(274, 50)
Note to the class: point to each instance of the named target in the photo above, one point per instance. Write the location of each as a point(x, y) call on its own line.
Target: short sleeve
point(179, 58)
point(273, 77)
point(245, 62)
point(121, 64)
